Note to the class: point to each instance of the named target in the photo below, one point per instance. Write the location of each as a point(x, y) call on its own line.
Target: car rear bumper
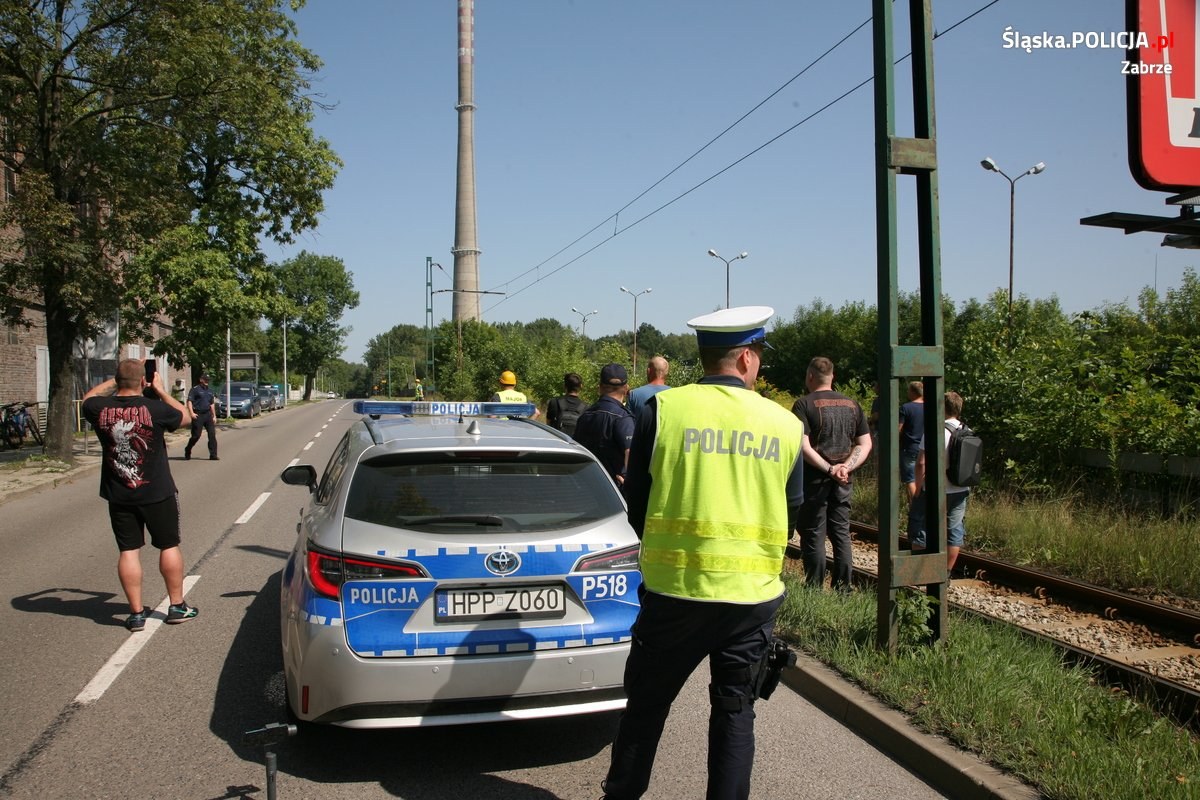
point(347, 690)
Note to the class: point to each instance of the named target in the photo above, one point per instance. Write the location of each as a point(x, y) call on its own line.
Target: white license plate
point(509, 602)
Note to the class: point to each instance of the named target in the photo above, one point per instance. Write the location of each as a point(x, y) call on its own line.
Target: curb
point(59, 479)
point(949, 770)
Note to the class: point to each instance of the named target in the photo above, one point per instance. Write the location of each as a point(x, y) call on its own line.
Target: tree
point(124, 119)
point(198, 289)
point(318, 290)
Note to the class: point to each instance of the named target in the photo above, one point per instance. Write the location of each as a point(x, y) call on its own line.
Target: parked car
point(243, 400)
point(456, 569)
point(268, 398)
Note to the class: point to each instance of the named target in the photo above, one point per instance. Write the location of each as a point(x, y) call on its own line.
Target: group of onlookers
point(716, 479)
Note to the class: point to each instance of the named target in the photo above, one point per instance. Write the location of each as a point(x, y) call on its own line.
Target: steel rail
point(1115, 604)
point(1181, 703)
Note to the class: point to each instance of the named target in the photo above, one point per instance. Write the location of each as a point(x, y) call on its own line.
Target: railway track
point(1152, 649)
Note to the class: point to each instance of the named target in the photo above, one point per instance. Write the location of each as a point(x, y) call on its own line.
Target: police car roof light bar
point(376, 408)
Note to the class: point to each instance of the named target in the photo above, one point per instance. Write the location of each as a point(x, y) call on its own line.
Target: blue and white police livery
point(457, 563)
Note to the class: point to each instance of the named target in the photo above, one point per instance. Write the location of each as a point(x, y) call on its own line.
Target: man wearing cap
point(200, 402)
point(508, 391)
point(419, 391)
point(606, 428)
point(714, 485)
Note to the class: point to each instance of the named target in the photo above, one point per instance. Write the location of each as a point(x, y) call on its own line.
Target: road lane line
point(310, 444)
point(293, 462)
point(249, 512)
point(109, 673)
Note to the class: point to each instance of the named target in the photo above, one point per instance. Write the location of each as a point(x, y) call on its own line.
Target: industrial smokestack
point(466, 248)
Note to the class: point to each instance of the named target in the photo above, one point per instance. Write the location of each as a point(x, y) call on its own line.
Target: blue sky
point(581, 106)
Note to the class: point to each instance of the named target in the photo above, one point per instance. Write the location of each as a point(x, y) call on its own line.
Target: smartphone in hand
point(151, 368)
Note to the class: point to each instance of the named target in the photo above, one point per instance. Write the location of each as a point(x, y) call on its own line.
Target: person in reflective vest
point(508, 391)
point(714, 486)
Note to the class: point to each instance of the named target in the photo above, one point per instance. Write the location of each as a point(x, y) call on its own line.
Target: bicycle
point(15, 423)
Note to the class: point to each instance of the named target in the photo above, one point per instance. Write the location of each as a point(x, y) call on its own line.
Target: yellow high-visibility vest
point(716, 521)
point(511, 396)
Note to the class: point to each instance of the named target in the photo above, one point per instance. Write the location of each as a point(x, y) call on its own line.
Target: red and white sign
point(1164, 94)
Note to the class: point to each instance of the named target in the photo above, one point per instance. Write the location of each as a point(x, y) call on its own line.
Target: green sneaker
point(137, 622)
point(181, 613)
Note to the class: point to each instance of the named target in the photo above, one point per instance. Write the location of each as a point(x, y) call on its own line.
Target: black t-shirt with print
point(134, 469)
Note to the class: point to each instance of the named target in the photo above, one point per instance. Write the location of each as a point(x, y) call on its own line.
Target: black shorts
point(161, 519)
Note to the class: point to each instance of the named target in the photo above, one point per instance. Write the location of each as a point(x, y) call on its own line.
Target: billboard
point(1164, 93)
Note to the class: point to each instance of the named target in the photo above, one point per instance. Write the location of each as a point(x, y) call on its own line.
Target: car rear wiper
point(473, 519)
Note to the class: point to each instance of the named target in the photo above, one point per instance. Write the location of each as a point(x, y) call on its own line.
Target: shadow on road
point(82, 603)
point(415, 763)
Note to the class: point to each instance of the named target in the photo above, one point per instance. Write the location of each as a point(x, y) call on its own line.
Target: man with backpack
point(563, 411)
point(963, 460)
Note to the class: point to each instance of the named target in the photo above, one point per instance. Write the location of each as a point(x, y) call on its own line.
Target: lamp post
point(990, 165)
point(727, 261)
point(583, 327)
point(635, 296)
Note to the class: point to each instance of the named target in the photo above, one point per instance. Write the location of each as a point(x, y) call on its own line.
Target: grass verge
point(1008, 698)
point(1124, 551)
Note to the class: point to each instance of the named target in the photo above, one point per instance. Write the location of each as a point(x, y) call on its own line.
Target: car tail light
point(327, 572)
point(621, 559)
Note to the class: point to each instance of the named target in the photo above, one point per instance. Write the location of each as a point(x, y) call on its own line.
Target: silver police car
point(456, 563)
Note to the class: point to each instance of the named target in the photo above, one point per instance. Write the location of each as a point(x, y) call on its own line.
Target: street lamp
point(583, 329)
point(635, 296)
point(990, 165)
point(727, 261)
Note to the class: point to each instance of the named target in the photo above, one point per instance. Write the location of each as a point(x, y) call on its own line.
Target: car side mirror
point(300, 475)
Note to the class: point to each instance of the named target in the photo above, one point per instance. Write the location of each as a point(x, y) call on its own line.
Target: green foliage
point(317, 290)
point(1008, 698)
point(124, 121)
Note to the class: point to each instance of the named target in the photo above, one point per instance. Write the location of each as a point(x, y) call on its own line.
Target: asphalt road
point(84, 717)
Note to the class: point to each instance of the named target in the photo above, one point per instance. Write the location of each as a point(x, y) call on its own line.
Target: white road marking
point(293, 462)
point(317, 435)
point(249, 512)
point(109, 673)
point(310, 444)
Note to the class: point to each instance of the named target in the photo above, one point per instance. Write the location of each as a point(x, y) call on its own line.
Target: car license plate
point(510, 602)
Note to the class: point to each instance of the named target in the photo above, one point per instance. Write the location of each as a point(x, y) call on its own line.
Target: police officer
point(200, 405)
point(606, 427)
point(714, 486)
point(508, 391)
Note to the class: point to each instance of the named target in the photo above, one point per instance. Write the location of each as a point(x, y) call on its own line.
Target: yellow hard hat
point(508, 378)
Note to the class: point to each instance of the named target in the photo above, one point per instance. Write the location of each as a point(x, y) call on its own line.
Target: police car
point(456, 563)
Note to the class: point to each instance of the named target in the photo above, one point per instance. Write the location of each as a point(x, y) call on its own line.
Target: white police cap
point(733, 327)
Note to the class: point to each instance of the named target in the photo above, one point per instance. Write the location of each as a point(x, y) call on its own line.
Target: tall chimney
point(466, 248)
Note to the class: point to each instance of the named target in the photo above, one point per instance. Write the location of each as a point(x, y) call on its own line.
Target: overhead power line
point(615, 216)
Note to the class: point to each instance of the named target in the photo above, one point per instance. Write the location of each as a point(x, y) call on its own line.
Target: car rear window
point(501, 493)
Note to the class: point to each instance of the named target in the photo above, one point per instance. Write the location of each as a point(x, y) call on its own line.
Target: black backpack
point(569, 409)
point(964, 462)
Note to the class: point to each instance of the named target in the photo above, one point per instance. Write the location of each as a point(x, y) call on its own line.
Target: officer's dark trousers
point(670, 639)
point(826, 511)
point(207, 423)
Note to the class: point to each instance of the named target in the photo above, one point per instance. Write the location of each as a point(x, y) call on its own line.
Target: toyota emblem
point(502, 562)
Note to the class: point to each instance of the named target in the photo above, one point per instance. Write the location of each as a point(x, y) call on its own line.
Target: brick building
point(25, 356)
